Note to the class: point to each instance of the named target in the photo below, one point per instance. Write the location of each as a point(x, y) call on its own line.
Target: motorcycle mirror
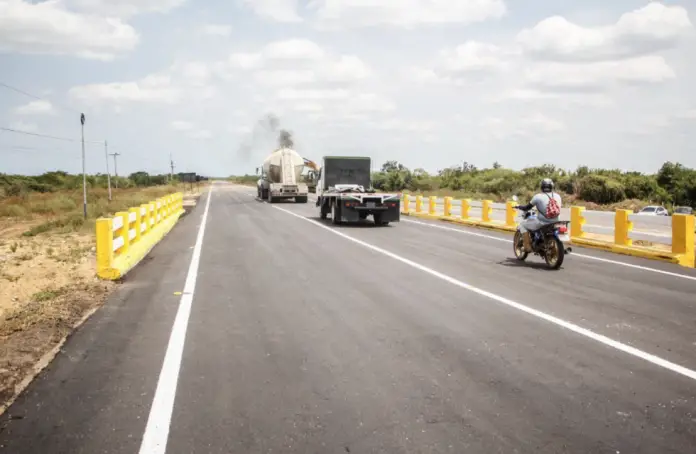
point(514, 198)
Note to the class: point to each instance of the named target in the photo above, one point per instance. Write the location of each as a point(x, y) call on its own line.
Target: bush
point(601, 189)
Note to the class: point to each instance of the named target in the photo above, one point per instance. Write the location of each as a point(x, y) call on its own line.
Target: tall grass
point(63, 210)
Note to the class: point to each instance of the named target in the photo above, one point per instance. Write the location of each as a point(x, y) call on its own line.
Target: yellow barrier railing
point(124, 240)
point(681, 251)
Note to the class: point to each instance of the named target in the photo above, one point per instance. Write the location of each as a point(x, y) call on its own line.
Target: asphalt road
point(412, 338)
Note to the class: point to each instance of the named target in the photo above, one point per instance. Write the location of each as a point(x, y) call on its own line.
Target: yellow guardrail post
point(466, 205)
point(432, 203)
point(577, 220)
point(124, 231)
point(406, 204)
point(105, 244)
point(622, 228)
point(419, 203)
point(683, 238)
point(152, 212)
point(145, 218)
point(486, 210)
point(138, 218)
point(448, 206)
point(510, 214)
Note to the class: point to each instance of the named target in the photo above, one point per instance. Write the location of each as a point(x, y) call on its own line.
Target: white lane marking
point(521, 307)
point(574, 254)
point(157, 429)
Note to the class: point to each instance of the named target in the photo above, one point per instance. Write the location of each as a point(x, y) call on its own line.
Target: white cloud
point(275, 10)
point(299, 61)
point(179, 125)
point(285, 77)
point(23, 126)
point(651, 28)
point(201, 134)
point(339, 14)
point(534, 125)
point(599, 75)
point(217, 30)
point(48, 28)
point(293, 49)
point(155, 88)
point(292, 94)
point(123, 8)
point(38, 107)
point(474, 56)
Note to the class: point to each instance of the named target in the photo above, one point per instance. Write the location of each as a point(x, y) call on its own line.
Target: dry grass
point(47, 271)
point(63, 211)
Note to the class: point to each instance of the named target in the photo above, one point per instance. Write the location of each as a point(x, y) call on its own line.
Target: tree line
point(673, 184)
point(17, 185)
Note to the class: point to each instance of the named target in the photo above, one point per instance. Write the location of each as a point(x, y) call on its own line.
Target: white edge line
point(574, 254)
point(157, 428)
point(656, 360)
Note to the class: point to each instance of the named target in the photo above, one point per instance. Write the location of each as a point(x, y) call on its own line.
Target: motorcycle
point(548, 242)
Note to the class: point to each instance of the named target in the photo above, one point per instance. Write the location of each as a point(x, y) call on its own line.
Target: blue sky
point(430, 83)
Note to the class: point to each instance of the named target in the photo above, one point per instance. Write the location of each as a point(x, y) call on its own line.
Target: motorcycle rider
point(540, 201)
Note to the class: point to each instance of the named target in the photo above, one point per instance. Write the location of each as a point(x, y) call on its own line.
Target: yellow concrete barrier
point(577, 220)
point(419, 204)
point(448, 206)
point(124, 240)
point(681, 251)
point(510, 214)
point(432, 205)
point(622, 228)
point(466, 206)
point(486, 210)
point(406, 204)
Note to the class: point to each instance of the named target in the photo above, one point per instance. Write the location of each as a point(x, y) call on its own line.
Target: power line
point(10, 87)
point(46, 136)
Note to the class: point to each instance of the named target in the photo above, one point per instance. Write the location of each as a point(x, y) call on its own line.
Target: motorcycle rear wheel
point(555, 253)
point(518, 247)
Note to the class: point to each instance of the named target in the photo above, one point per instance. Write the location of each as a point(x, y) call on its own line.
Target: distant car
point(683, 210)
point(653, 211)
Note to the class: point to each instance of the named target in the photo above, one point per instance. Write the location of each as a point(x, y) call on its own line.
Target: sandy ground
point(47, 285)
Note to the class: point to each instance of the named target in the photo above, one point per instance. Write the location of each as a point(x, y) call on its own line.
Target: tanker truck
point(281, 177)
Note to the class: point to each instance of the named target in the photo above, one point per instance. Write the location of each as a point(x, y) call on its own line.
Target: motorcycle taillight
point(562, 229)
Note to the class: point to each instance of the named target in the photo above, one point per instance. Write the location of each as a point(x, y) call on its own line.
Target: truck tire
point(335, 213)
point(264, 194)
point(302, 199)
point(378, 219)
point(323, 212)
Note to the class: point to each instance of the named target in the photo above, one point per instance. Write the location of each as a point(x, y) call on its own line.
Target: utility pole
point(108, 175)
point(115, 168)
point(171, 165)
point(84, 167)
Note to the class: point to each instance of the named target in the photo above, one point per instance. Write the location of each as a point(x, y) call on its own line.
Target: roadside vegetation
point(47, 259)
point(598, 189)
point(673, 184)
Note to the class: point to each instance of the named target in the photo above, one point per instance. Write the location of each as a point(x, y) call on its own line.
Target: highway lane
point(300, 340)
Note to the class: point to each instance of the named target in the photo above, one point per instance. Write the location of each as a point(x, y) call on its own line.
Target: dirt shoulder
point(48, 284)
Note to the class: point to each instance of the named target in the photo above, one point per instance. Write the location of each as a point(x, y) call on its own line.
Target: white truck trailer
point(281, 177)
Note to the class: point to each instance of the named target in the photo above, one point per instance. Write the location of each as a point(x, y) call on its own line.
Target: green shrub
point(601, 189)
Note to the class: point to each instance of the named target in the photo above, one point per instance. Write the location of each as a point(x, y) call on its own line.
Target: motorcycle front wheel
point(555, 253)
point(518, 247)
